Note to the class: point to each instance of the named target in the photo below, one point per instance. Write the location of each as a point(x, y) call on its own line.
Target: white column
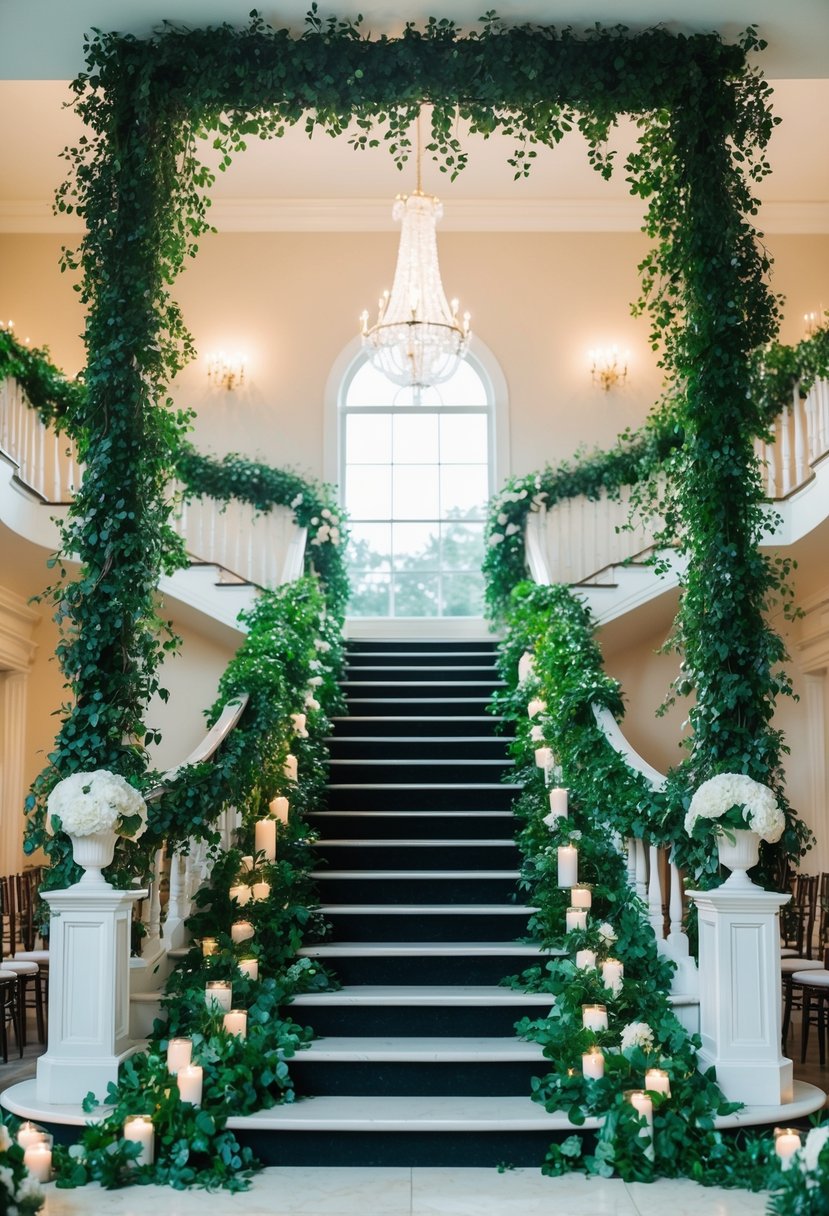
point(740, 993)
point(814, 698)
point(89, 947)
point(13, 699)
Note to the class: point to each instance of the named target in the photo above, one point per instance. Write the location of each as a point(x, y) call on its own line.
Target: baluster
point(810, 415)
point(655, 913)
point(154, 909)
point(209, 507)
point(175, 894)
point(801, 462)
point(41, 438)
point(822, 387)
point(57, 483)
point(641, 870)
point(676, 936)
point(630, 845)
point(785, 451)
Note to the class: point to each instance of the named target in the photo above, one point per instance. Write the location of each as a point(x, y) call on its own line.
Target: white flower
point(311, 702)
point(637, 1034)
point(511, 529)
point(334, 536)
point(720, 794)
point(813, 1147)
point(321, 644)
point(314, 664)
point(607, 933)
point(495, 539)
point(314, 681)
point(5, 1138)
point(325, 513)
point(95, 802)
point(314, 520)
point(502, 518)
point(7, 1179)
point(295, 502)
point(537, 734)
point(29, 1190)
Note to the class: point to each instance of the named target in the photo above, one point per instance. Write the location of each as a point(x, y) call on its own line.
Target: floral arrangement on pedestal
point(736, 803)
point(86, 804)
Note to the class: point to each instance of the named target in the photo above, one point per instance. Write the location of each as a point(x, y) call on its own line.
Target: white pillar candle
point(576, 918)
point(592, 1064)
point(139, 1128)
point(786, 1144)
point(241, 931)
point(298, 721)
point(236, 1022)
point(218, 996)
point(594, 1017)
point(190, 1081)
point(247, 862)
point(261, 890)
point(558, 801)
point(581, 897)
point(179, 1053)
point(568, 865)
point(612, 974)
point(265, 838)
point(209, 946)
point(29, 1133)
point(643, 1105)
point(526, 666)
point(658, 1081)
point(535, 707)
point(249, 967)
point(279, 808)
point(536, 734)
point(37, 1159)
point(544, 758)
point(290, 768)
point(586, 960)
point(241, 894)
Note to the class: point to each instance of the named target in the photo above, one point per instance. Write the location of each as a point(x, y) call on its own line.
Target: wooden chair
point(9, 1012)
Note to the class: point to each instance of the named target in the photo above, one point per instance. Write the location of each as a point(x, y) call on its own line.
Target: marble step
point(445, 962)
point(415, 853)
point(413, 825)
point(423, 795)
point(411, 886)
point(413, 646)
point(462, 687)
point(427, 922)
point(423, 1010)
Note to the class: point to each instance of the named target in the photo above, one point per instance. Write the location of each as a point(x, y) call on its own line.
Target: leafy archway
point(703, 124)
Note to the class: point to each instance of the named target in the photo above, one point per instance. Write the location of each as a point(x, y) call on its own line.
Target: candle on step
point(190, 1081)
point(139, 1128)
point(594, 1017)
point(786, 1144)
point(261, 890)
point(658, 1081)
point(290, 767)
point(612, 974)
point(586, 960)
point(568, 865)
point(558, 802)
point(241, 931)
point(526, 667)
point(544, 758)
point(575, 918)
point(218, 996)
point(249, 967)
point(279, 808)
point(37, 1159)
point(236, 1022)
point(209, 946)
point(241, 894)
point(592, 1064)
point(643, 1105)
point(29, 1133)
point(535, 707)
point(179, 1053)
point(536, 733)
point(581, 896)
point(299, 725)
point(265, 838)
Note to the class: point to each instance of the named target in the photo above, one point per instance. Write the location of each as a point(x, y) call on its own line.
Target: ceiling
point(297, 183)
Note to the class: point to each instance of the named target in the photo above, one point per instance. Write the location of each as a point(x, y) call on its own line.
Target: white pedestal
point(89, 951)
point(740, 993)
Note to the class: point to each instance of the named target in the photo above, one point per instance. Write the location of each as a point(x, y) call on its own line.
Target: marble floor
point(414, 1192)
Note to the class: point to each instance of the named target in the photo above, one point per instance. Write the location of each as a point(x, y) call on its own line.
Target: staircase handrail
point(208, 746)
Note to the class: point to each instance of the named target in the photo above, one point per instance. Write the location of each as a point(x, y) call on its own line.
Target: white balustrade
point(46, 461)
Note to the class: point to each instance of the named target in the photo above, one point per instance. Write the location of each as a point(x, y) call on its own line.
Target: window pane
point(415, 595)
point(369, 547)
point(464, 388)
point(463, 439)
point(463, 594)
point(370, 595)
point(416, 547)
point(463, 489)
point(368, 491)
point(370, 387)
point(462, 546)
point(368, 438)
point(415, 492)
point(416, 439)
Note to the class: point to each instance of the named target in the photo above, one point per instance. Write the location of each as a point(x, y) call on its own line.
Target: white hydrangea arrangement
point(736, 802)
point(327, 528)
point(637, 1034)
point(87, 803)
point(607, 933)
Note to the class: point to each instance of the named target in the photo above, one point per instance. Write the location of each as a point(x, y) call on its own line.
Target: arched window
point(416, 467)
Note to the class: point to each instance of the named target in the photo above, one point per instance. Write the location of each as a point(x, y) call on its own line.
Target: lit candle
point(612, 974)
point(209, 946)
point(139, 1128)
point(299, 725)
point(241, 894)
point(526, 666)
point(249, 967)
point(261, 890)
point(535, 707)
point(786, 1144)
point(290, 767)
point(658, 1081)
point(279, 808)
point(241, 931)
point(37, 1159)
point(544, 758)
point(218, 996)
point(29, 1133)
point(594, 1017)
point(265, 838)
point(179, 1053)
point(236, 1022)
point(586, 960)
point(576, 918)
point(581, 897)
point(247, 862)
point(592, 1064)
point(568, 865)
point(558, 802)
point(643, 1105)
point(190, 1081)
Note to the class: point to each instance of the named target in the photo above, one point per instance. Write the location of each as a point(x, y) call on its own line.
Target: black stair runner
point(417, 1062)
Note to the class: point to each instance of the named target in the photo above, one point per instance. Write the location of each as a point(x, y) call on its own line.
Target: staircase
point(417, 1062)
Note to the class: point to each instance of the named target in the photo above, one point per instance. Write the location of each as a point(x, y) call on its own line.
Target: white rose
point(607, 933)
point(637, 1034)
point(502, 518)
point(495, 539)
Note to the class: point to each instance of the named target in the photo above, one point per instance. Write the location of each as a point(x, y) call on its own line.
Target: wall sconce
point(813, 322)
point(225, 371)
point(608, 367)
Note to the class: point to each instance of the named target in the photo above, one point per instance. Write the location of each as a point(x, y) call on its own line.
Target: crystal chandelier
point(418, 338)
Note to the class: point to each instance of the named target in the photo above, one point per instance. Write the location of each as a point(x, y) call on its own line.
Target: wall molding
point(17, 624)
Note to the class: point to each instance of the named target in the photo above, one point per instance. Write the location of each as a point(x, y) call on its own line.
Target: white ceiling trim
point(373, 215)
